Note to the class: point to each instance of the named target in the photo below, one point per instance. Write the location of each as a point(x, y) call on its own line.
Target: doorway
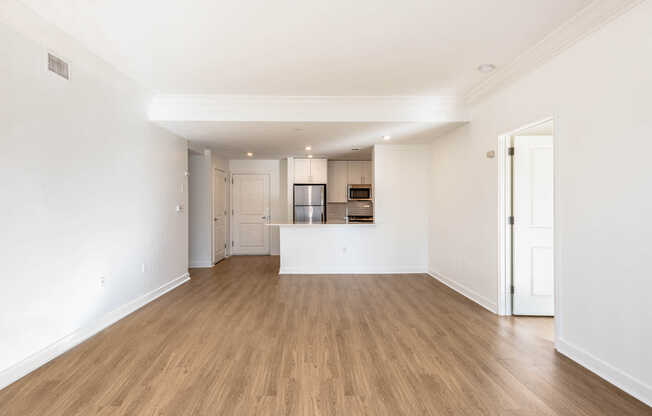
point(527, 211)
point(219, 215)
point(250, 214)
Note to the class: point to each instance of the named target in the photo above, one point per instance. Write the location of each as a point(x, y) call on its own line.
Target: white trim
point(483, 301)
point(504, 243)
point(200, 264)
point(52, 351)
point(618, 378)
point(588, 20)
point(352, 270)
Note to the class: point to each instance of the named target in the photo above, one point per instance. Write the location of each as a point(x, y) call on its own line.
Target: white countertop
point(331, 224)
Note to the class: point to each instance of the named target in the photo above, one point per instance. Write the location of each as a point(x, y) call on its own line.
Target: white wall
point(89, 189)
point(599, 94)
point(289, 193)
point(277, 206)
point(200, 210)
point(397, 243)
point(283, 188)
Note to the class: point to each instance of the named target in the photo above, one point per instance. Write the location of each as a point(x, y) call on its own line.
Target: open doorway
point(219, 215)
point(528, 281)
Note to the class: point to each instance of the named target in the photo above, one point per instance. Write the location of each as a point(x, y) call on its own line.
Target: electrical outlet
point(102, 281)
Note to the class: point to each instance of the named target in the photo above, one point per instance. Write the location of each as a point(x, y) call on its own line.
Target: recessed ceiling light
point(486, 68)
point(249, 154)
point(308, 148)
point(387, 137)
point(310, 156)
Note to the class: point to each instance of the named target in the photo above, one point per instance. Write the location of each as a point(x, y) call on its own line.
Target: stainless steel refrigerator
point(309, 204)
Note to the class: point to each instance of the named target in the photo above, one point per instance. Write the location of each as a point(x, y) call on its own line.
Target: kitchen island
point(340, 249)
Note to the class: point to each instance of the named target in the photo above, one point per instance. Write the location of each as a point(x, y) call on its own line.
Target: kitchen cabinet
point(318, 170)
point(338, 179)
point(301, 170)
point(359, 172)
point(310, 170)
point(366, 172)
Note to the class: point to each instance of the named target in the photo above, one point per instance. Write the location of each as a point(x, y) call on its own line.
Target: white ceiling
point(309, 47)
point(274, 140)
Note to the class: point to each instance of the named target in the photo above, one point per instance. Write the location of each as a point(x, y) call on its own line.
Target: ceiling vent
point(58, 66)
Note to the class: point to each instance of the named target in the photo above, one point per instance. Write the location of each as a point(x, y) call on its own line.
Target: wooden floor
point(239, 340)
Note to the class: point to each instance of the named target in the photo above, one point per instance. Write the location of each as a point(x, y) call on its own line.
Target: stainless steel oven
point(359, 192)
point(360, 212)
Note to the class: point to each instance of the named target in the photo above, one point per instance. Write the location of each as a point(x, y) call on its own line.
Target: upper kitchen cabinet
point(310, 170)
point(319, 170)
point(359, 172)
point(301, 170)
point(366, 172)
point(338, 178)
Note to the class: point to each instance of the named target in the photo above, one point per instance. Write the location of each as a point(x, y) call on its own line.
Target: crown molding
point(421, 109)
point(588, 20)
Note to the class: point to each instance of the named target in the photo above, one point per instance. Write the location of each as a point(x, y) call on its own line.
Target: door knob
point(263, 218)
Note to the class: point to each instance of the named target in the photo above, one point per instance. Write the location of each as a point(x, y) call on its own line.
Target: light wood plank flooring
point(239, 340)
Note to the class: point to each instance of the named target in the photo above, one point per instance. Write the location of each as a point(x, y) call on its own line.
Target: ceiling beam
point(306, 108)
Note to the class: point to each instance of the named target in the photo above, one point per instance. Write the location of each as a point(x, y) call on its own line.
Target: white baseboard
point(350, 270)
point(618, 378)
point(469, 293)
point(39, 358)
point(200, 264)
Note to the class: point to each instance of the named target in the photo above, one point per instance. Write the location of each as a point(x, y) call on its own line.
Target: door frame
point(226, 190)
point(505, 230)
point(269, 203)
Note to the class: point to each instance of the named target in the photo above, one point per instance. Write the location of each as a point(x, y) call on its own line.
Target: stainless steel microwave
point(359, 192)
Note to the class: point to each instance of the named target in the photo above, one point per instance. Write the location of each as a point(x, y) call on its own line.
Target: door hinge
point(232, 243)
point(225, 179)
point(510, 151)
point(225, 213)
point(232, 212)
point(224, 245)
point(511, 289)
point(510, 220)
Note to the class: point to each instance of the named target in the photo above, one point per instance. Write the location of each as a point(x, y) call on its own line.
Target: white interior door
point(250, 214)
point(219, 216)
point(533, 226)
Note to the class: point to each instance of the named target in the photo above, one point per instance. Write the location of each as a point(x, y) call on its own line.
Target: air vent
point(58, 66)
